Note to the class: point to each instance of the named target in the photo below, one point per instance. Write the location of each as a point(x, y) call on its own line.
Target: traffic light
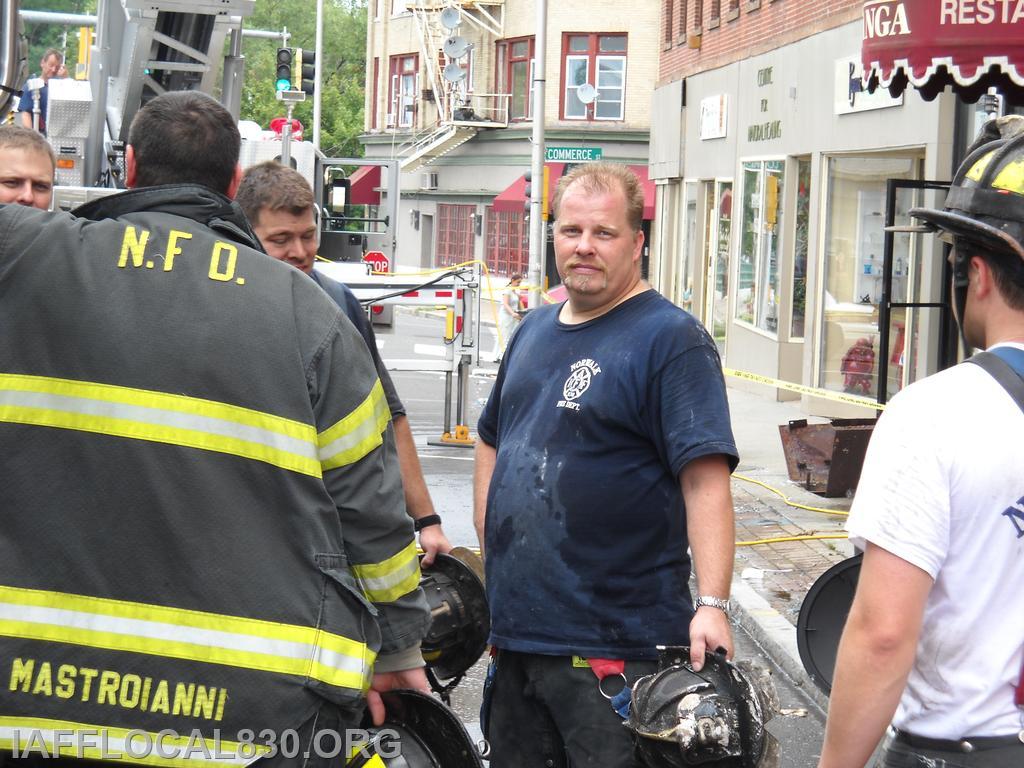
point(283, 81)
point(304, 71)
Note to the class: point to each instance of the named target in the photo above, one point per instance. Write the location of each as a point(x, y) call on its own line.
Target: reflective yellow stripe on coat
point(387, 581)
point(159, 417)
point(174, 633)
point(358, 433)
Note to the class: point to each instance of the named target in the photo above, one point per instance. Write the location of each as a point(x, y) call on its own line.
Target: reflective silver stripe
point(190, 421)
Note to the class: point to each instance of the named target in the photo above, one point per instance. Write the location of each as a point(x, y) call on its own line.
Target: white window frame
point(601, 90)
point(569, 87)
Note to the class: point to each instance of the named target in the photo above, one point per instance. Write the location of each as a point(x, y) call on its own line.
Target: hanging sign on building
point(849, 94)
point(714, 116)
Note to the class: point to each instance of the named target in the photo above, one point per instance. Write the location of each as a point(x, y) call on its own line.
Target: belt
point(966, 744)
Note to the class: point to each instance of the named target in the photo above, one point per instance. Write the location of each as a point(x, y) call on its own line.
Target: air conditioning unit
point(428, 180)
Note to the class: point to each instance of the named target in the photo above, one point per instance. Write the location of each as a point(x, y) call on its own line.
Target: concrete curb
point(773, 632)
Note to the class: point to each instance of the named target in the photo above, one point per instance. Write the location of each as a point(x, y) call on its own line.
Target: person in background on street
point(508, 315)
point(604, 452)
point(934, 642)
point(279, 204)
point(49, 65)
point(200, 441)
point(27, 165)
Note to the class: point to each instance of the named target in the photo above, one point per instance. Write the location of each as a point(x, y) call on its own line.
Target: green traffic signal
point(284, 69)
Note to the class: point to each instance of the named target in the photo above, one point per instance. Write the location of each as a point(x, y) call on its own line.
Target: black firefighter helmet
point(715, 717)
point(460, 621)
point(418, 732)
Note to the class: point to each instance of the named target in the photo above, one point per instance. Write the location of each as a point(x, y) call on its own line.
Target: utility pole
point(318, 65)
point(538, 238)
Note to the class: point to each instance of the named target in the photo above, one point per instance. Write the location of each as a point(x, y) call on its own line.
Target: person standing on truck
point(49, 66)
point(604, 452)
point(196, 437)
point(279, 204)
point(27, 165)
point(934, 641)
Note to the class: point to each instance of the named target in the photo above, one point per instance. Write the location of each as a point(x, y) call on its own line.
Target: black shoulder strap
point(1002, 372)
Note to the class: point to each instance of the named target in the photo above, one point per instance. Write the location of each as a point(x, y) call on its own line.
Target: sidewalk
point(771, 580)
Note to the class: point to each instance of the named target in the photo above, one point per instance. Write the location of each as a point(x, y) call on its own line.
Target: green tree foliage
point(344, 69)
point(63, 38)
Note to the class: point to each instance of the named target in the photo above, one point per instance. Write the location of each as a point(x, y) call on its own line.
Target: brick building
point(448, 92)
point(771, 166)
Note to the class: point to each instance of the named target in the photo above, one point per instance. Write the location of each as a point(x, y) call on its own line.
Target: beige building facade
point(449, 94)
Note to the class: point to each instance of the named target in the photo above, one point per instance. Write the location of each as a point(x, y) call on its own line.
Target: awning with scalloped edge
point(970, 45)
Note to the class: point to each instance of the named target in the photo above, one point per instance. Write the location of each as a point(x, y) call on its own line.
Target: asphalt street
point(448, 471)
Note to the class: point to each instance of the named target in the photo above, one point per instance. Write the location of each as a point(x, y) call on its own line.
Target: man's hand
point(416, 679)
point(709, 631)
point(432, 541)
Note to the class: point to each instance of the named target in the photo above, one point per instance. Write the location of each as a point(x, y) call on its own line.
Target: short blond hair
point(603, 177)
point(20, 137)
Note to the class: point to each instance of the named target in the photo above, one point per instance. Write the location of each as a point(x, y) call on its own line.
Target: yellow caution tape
point(826, 394)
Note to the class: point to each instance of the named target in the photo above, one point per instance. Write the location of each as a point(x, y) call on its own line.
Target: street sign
point(378, 261)
point(572, 154)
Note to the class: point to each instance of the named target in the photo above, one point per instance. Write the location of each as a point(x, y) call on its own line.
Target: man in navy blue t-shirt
point(49, 65)
point(605, 452)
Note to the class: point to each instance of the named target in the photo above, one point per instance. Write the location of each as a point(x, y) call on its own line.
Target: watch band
point(711, 602)
point(426, 521)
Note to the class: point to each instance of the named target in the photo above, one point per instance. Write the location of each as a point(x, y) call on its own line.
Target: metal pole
point(537, 232)
point(318, 71)
point(286, 138)
point(234, 72)
point(447, 403)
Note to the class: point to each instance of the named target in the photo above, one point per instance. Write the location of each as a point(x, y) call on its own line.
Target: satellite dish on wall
point(455, 47)
point(587, 93)
point(450, 17)
point(453, 73)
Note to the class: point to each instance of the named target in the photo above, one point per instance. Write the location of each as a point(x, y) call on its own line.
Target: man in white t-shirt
point(935, 638)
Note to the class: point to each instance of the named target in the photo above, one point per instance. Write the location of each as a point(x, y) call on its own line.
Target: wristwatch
point(712, 602)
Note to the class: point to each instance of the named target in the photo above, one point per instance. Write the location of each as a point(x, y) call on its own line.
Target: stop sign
point(378, 261)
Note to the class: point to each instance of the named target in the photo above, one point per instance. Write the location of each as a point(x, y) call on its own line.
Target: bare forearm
point(483, 469)
point(417, 497)
point(709, 523)
point(867, 685)
point(875, 656)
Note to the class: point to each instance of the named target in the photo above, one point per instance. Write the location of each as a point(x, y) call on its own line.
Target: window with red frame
point(669, 7)
point(404, 72)
point(698, 15)
point(508, 242)
point(598, 59)
point(515, 75)
point(454, 234)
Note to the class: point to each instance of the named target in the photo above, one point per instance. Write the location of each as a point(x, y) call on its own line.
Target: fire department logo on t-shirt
point(581, 374)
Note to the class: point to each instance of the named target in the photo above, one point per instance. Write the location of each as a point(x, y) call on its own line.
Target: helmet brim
point(969, 228)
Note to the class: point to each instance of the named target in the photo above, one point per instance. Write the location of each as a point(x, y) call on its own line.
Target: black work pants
point(547, 713)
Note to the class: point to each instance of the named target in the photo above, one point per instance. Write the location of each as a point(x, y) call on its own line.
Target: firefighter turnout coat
point(202, 527)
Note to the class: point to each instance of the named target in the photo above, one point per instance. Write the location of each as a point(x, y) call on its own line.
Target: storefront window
point(757, 285)
point(689, 247)
point(854, 242)
point(800, 245)
point(718, 279)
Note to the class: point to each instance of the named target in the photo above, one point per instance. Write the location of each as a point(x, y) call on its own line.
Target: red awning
point(364, 185)
point(513, 198)
point(968, 44)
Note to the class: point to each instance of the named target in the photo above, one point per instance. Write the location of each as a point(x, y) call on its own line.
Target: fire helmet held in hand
point(715, 717)
point(460, 620)
point(418, 732)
